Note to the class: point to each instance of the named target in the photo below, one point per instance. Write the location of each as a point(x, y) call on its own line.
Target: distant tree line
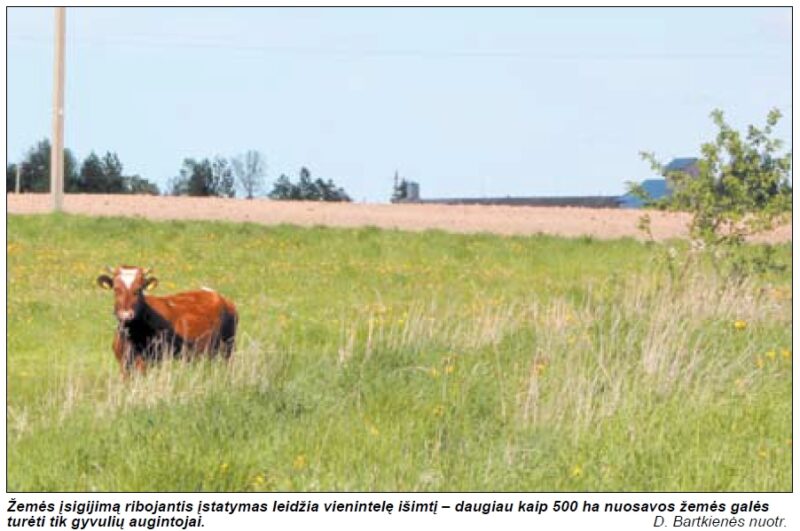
point(307, 189)
point(217, 176)
point(221, 177)
point(95, 175)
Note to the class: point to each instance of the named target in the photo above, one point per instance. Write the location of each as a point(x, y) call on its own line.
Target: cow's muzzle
point(125, 315)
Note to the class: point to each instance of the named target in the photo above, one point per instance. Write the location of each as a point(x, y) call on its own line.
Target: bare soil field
point(561, 221)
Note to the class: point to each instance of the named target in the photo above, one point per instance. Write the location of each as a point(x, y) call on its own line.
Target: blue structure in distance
point(658, 188)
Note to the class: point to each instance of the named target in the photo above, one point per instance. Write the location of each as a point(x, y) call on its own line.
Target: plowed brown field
point(599, 223)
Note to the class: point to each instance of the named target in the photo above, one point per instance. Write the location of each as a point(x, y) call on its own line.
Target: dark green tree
point(182, 183)
point(112, 169)
point(204, 178)
point(307, 189)
point(92, 177)
point(11, 177)
point(200, 177)
point(35, 176)
point(282, 189)
point(138, 185)
point(331, 192)
point(101, 176)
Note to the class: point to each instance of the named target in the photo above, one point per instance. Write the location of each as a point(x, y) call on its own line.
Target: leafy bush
point(742, 188)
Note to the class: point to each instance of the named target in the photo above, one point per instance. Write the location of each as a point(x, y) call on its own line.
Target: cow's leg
point(141, 364)
point(227, 333)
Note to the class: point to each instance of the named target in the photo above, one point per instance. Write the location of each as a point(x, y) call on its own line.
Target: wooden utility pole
point(57, 147)
point(19, 178)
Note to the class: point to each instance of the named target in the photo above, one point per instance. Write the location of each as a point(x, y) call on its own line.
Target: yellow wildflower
point(577, 471)
point(786, 354)
point(438, 411)
point(371, 428)
point(771, 354)
point(739, 324)
point(299, 462)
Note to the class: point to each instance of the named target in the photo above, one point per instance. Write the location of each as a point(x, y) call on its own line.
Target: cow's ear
point(150, 283)
point(105, 282)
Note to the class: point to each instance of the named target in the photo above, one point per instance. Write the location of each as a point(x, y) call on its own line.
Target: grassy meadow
point(372, 360)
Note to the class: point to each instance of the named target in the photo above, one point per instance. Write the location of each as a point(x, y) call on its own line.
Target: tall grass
point(380, 360)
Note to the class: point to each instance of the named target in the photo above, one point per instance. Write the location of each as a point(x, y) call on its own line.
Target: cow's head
point(128, 283)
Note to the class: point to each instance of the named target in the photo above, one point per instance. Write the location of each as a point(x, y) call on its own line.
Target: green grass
point(385, 360)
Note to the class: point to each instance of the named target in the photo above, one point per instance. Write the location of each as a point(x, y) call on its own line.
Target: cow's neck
point(147, 318)
point(148, 331)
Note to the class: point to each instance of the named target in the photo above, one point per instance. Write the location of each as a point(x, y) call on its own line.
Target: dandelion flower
point(577, 471)
point(739, 324)
point(299, 462)
point(771, 354)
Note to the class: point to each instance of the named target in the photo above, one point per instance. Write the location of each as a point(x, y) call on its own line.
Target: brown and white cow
point(193, 322)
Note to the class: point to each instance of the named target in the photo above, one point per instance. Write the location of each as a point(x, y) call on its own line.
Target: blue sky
point(468, 102)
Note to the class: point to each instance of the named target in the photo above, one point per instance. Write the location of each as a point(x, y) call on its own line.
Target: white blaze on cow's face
point(127, 276)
